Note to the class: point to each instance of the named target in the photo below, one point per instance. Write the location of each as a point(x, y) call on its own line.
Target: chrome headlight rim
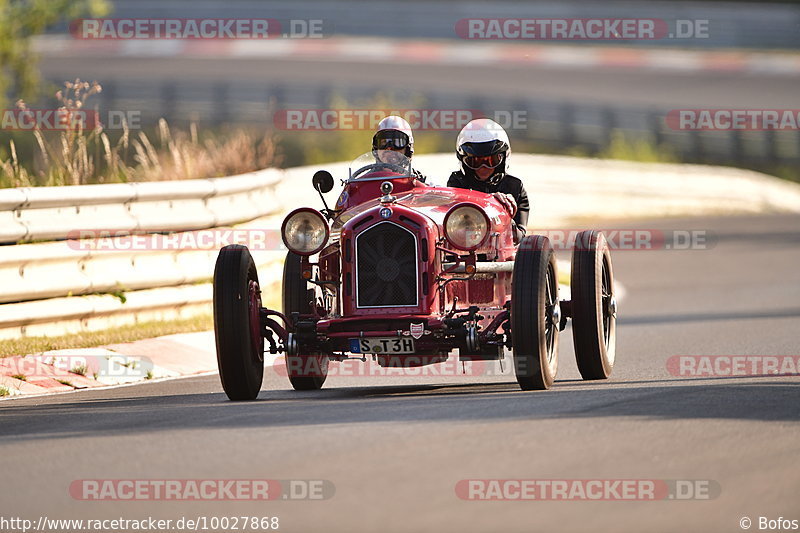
point(483, 238)
point(324, 225)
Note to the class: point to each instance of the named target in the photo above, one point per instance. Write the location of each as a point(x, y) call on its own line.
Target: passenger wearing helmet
point(394, 134)
point(482, 149)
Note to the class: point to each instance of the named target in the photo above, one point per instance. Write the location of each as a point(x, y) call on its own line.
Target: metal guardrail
point(50, 270)
point(40, 282)
point(51, 213)
point(74, 315)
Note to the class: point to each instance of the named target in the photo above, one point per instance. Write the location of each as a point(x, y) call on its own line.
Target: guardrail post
point(609, 124)
point(566, 118)
point(520, 109)
point(276, 97)
point(737, 147)
point(476, 103)
point(324, 97)
point(221, 103)
point(110, 95)
point(771, 148)
point(655, 121)
point(169, 100)
point(696, 148)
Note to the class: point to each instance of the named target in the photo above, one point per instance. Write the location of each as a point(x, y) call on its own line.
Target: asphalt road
point(395, 449)
point(621, 87)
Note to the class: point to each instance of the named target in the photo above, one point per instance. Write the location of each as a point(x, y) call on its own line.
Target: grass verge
point(133, 332)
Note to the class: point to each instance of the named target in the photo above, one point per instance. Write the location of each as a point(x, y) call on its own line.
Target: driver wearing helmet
point(482, 149)
point(394, 134)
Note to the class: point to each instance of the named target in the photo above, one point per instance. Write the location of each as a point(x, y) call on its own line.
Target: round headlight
point(466, 227)
point(305, 231)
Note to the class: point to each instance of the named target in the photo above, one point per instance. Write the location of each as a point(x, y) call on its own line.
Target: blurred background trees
point(19, 21)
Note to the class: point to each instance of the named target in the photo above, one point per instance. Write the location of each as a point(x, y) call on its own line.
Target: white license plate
point(391, 345)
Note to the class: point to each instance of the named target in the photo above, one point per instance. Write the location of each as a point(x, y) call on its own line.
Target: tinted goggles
point(391, 141)
point(475, 162)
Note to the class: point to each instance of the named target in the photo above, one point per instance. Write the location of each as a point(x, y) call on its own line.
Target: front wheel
point(305, 372)
point(535, 313)
point(237, 323)
point(594, 306)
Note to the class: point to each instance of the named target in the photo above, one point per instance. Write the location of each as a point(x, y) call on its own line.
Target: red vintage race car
point(405, 273)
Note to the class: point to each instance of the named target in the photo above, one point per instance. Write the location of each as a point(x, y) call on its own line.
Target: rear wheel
point(237, 323)
point(306, 371)
point(535, 313)
point(594, 306)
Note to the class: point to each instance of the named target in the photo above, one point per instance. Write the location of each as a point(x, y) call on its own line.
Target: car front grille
point(386, 267)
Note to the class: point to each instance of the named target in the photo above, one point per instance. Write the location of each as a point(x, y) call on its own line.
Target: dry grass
point(78, 156)
point(184, 156)
point(134, 332)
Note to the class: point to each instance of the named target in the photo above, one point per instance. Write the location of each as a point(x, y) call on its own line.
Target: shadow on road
point(704, 317)
point(473, 402)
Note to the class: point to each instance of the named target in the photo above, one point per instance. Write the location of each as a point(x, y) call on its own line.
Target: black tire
point(296, 295)
point(593, 306)
point(305, 373)
point(534, 298)
point(240, 357)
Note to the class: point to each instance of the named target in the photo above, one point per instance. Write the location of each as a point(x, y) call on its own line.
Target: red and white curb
point(68, 370)
point(354, 49)
point(57, 371)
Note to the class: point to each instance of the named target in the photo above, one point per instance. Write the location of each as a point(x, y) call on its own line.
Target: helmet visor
point(475, 162)
point(390, 140)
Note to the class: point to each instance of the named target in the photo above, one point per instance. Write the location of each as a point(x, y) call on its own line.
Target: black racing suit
point(507, 184)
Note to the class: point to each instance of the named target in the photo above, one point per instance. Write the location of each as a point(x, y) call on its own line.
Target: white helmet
point(485, 141)
point(395, 131)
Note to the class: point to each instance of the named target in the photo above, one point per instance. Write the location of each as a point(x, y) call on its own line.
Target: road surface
point(395, 448)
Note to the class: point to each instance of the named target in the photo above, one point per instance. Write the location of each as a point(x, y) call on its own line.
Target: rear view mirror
point(322, 181)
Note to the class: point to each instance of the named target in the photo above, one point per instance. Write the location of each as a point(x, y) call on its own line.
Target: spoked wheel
point(535, 313)
point(306, 371)
point(594, 306)
point(237, 323)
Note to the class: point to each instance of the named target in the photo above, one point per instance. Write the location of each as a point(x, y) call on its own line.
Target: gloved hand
point(508, 202)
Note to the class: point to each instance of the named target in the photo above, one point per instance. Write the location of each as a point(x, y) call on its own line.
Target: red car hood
point(434, 203)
